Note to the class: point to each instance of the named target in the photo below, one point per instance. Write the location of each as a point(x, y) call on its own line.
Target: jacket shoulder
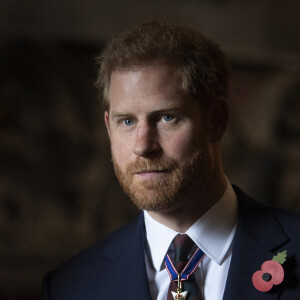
point(81, 271)
point(263, 217)
point(289, 221)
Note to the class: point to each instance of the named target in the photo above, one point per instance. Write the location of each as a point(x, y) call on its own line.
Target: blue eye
point(128, 122)
point(167, 118)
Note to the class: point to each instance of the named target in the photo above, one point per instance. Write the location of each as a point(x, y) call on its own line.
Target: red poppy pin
point(271, 273)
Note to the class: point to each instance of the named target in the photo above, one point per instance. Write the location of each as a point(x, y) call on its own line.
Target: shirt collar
point(212, 233)
point(159, 238)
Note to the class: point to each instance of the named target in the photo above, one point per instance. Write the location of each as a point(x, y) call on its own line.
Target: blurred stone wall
point(57, 189)
point(58, 193)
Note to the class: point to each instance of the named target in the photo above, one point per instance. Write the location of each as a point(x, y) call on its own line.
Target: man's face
point(159, 141)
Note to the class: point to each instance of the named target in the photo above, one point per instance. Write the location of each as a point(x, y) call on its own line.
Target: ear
point(219, 116)
point(106, 120)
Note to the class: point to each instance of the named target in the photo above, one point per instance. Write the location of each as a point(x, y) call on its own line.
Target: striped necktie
point(185, 267)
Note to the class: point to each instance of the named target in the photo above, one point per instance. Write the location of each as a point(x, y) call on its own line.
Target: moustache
point(141, 164)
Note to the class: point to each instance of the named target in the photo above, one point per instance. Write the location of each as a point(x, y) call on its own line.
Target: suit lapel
point(258, 236)
point(127, 275)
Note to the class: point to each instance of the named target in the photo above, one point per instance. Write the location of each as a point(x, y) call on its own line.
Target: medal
point(188, 270)
point(179, 295)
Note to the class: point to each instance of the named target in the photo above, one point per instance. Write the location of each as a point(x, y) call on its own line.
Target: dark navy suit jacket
point(114, 268)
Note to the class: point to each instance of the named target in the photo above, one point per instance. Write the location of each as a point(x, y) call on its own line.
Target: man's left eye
point(167, 118)
point(128, 122)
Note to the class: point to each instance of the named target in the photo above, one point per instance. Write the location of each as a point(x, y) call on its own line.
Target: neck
point(193, 206)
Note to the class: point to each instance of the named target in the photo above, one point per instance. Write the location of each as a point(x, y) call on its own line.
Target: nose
point(146, 141)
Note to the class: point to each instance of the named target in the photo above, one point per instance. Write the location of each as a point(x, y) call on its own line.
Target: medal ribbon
point(189, 269)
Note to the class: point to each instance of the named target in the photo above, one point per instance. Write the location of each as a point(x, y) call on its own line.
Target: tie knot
point(183, 246)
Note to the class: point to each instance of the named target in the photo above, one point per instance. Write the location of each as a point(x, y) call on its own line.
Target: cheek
point(180, 144)
point(120, 150)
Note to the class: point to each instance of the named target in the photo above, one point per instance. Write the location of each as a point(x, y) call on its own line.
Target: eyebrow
point(119, 114)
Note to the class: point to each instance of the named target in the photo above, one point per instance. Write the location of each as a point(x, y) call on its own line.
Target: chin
point(153, 200)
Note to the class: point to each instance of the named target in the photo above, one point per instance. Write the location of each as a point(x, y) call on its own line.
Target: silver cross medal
point(179, 295)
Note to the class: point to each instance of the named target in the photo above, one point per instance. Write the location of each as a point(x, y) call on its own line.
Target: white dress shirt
point(212, 233)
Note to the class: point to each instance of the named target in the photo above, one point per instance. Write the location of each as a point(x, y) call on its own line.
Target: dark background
point(58, 193)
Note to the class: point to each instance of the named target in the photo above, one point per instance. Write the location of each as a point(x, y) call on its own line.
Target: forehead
point(155, 83)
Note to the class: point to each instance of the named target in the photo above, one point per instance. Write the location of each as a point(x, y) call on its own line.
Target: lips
point(150, 171)
point(150, 174)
